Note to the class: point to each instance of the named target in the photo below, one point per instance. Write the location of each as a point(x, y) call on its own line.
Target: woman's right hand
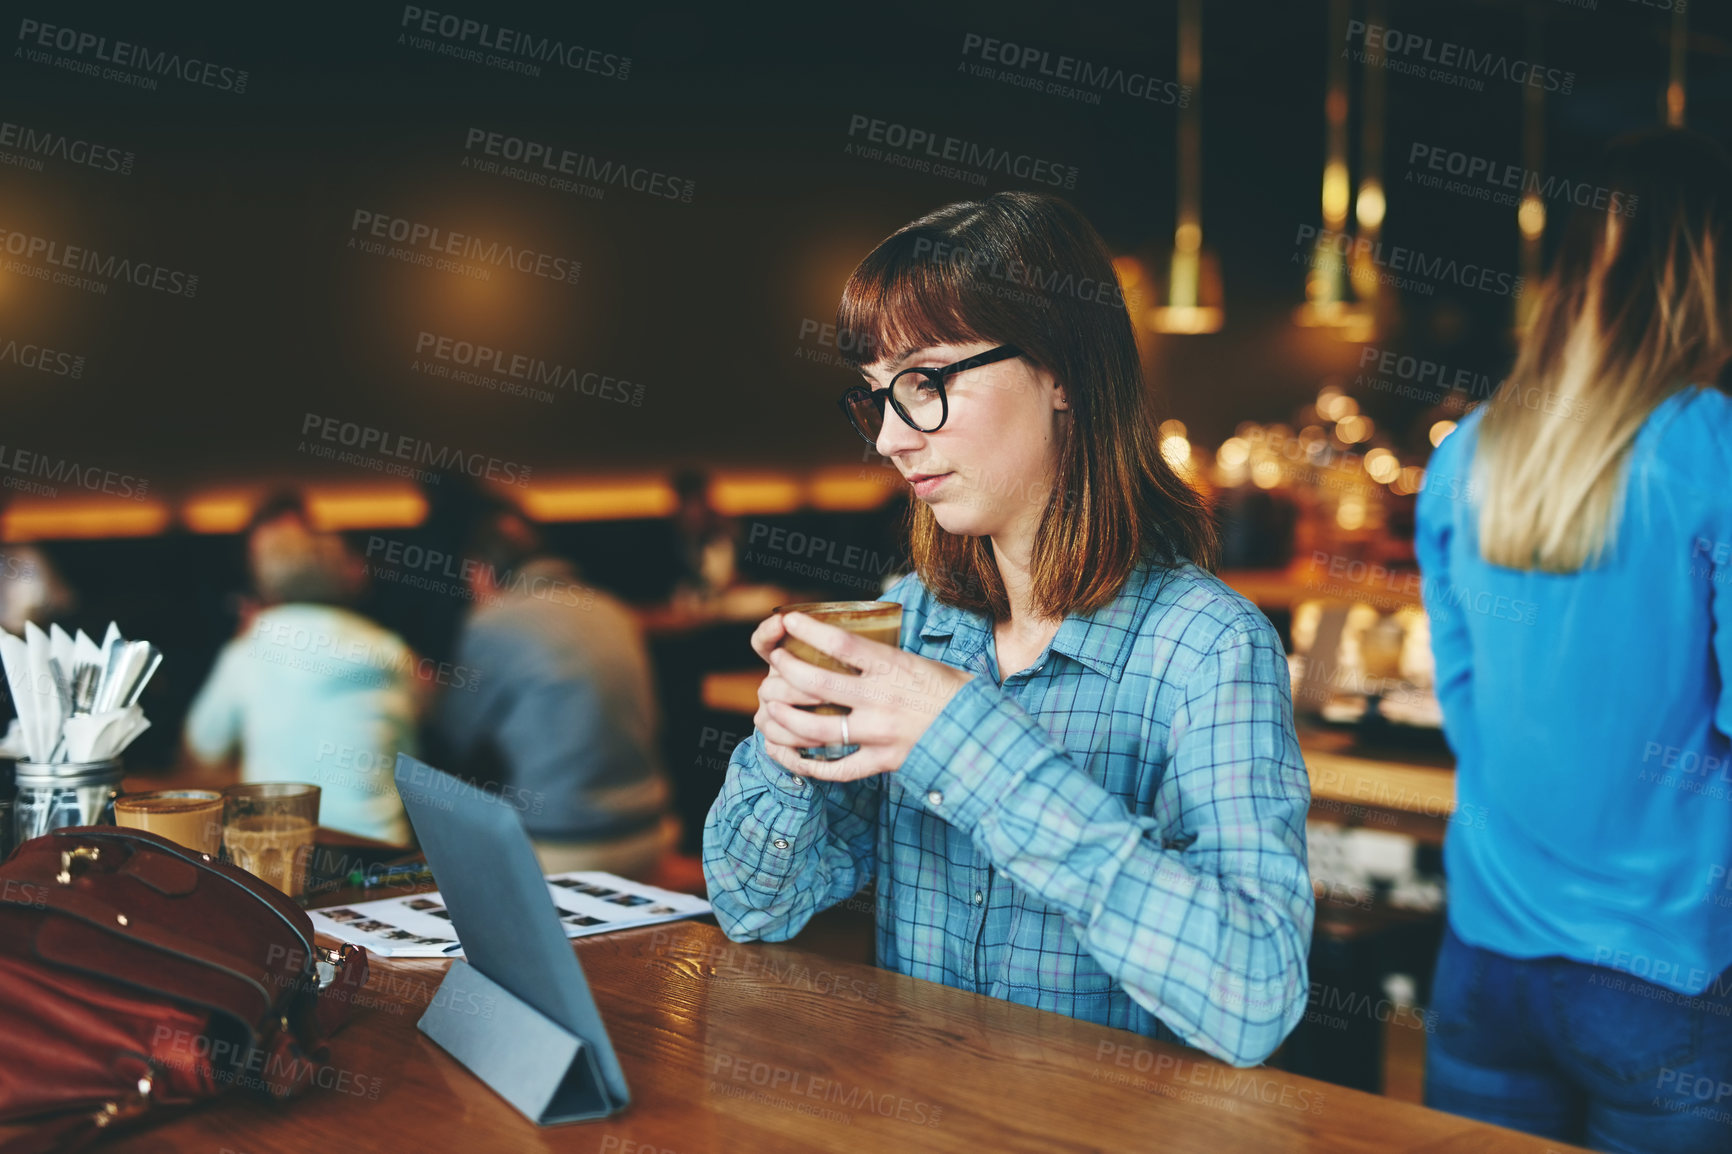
point(778, 742)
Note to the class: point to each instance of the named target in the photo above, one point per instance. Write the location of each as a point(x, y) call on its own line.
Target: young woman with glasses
point(1077, 784)
point(1583, 990)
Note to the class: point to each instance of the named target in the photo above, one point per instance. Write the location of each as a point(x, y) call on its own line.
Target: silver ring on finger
point(845, 740)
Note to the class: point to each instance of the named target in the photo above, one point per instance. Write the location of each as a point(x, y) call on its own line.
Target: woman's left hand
point(891, 703)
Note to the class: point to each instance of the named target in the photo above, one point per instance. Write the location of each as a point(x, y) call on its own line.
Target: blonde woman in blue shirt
point(1582, 990)
point(1077, 784)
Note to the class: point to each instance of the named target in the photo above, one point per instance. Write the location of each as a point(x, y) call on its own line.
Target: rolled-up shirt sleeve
point(1201, 910)
point(779, 848)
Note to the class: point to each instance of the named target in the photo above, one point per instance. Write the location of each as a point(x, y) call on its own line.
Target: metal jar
point(51, 797)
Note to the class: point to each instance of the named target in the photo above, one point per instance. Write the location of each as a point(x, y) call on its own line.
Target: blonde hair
point(1635, 309)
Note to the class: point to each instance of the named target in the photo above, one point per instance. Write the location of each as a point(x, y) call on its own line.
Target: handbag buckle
point(71, 857)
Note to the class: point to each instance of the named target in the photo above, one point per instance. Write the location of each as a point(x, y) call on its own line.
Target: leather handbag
point(138, 976)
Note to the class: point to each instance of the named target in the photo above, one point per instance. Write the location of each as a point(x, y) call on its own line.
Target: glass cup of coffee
point(879, 621)
point(268, 830)
point(189, 817)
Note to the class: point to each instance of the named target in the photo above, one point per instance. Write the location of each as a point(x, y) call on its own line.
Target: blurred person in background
point(1575, 535)
point(705, 543)
point(562, 712)
point(31, 589)
point(309, 690)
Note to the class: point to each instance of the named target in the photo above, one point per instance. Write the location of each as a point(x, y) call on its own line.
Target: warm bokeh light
point(1412, 479)
point(1350, 514)
point(1369, 207)
point(600, 500)
point(60, 518)
point(1336, 189)
point(1185, 320)
point(851, 488)
point(1354, 429)
point(739, 495)
point(1336, 406)
point(217, 513)
point(1353, 323)
point(1531, 216)
point(1439, 431)
point(1173, 427)
point(1266, 474)
point(334, 510)
point(1382, 466)
point(1177, 451)
point(1233, 453)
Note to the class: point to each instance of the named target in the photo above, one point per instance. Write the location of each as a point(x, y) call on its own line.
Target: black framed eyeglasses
point(917, 395)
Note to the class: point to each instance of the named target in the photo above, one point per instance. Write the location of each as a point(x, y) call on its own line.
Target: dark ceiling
point(704, 303)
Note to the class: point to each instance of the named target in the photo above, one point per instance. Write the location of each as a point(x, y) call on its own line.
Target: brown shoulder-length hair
point(1027, 269)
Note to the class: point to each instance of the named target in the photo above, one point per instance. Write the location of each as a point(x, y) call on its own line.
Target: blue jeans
point(1580, 1053)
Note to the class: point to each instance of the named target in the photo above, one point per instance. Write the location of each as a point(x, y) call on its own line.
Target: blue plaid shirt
point(1115, 833)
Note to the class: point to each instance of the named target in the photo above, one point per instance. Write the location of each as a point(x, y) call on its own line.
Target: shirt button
point(934, 798)
point(780, 843)
point(979, 898)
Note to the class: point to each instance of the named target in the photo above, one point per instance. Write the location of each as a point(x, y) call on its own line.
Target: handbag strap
point(270, 896)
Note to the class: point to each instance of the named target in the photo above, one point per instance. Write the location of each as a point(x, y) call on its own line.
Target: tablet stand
point(544, 1070)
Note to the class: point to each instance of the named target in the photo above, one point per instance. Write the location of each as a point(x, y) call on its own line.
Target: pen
point(398, 875)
